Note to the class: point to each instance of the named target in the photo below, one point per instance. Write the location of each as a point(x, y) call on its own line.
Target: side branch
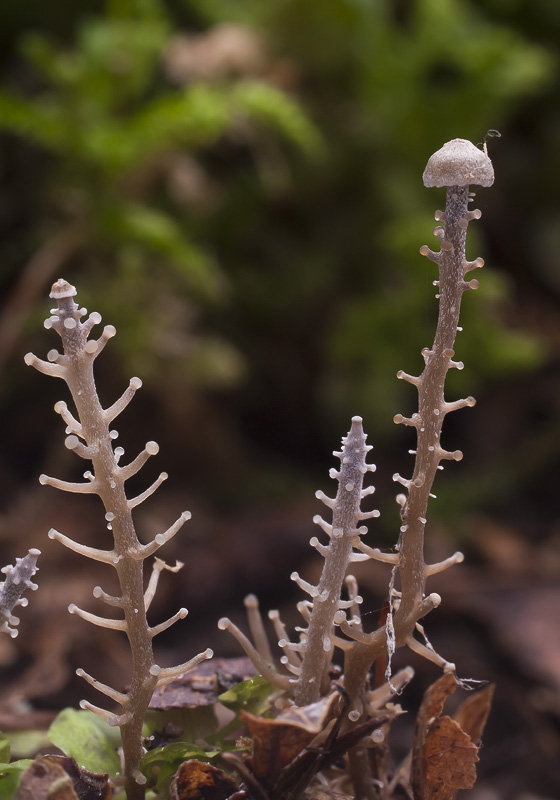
point(105, 556)
point(66, 486)
point(111, 413)
point(46, 367)
point(161, 538)
point(73, 426)
point(102, 622)
point(136, 501)
point(118, 697)
point(263, 667)
point(166, 675)
point(151, 449)
point(163, 626)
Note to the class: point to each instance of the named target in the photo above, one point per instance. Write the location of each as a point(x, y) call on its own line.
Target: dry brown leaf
point(60, 778)
point(473, 713)
point(275, 744)
point(435, 697)
point(44, 781)
point(203, 685)
point(196, 780)
point(314, 717)
point(321, 793)
point(448, 758)
point(444, 755)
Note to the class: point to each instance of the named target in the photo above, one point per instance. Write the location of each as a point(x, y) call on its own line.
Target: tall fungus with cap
point(331, 611)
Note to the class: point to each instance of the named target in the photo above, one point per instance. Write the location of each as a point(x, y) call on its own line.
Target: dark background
point(238, 189)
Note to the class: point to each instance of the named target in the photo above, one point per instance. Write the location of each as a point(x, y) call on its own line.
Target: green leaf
point(40, 122)
point(160, 233)
point(169, 758)
point(26, 744)
point(4, 748)
point(280, 112)
point(175, 753)
point(85, 737)
point(195, 723)
point(10, 775)
point(251, 696)
point(15, 766)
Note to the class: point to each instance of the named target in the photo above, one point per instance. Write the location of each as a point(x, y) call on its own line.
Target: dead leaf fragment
point(444, 754)
point(435, 697)
point(196, 780)
point(320, 793)
point(203, 685)
point(449, 758)
point(289, 750)
point(60, 778)
point(473, 713)
point(275, 744)
point(44, 781)
point(87, 785)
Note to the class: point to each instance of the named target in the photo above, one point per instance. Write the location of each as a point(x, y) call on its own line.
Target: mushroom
point(459, 163)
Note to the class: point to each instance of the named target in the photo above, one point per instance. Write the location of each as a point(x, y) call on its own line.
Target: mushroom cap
point(62, 288)
point(459, 163)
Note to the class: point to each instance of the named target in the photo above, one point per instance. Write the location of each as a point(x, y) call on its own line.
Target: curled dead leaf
point(473, 713)
point(291, 749)
point(196, 780)
point(276, 742)
point(60, 778)
point(444, 754)
point(448, 760)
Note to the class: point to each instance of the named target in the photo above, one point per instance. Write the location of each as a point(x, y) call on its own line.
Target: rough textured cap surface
point(459, 163)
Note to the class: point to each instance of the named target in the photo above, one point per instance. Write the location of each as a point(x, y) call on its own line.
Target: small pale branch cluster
point(90, 436)
point(456, 165)
point(316, 642)
point(17, 581)
point(310, 658)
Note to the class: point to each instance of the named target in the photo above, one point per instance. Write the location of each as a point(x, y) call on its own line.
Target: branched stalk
point(326, 601)
point(17, 581)
point(455, 166)
point(91, 437)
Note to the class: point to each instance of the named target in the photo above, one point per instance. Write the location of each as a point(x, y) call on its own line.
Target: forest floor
point(498, 622)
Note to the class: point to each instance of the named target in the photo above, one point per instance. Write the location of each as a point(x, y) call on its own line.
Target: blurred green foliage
point(259, 229)
point(116, 128)
point(387, 84)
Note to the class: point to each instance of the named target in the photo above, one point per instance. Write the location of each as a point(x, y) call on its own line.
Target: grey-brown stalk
point(332, 615)
point(90, 436)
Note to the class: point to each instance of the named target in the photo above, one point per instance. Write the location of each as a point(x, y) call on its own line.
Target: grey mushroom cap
point(459, 163)
point(62, 289)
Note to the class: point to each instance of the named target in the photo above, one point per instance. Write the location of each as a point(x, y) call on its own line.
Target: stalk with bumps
point(332, 614)
point(90, 436)
point(455, 166)
point(17, 581)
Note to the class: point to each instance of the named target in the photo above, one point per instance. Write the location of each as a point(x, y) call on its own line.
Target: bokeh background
point(237, 187)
